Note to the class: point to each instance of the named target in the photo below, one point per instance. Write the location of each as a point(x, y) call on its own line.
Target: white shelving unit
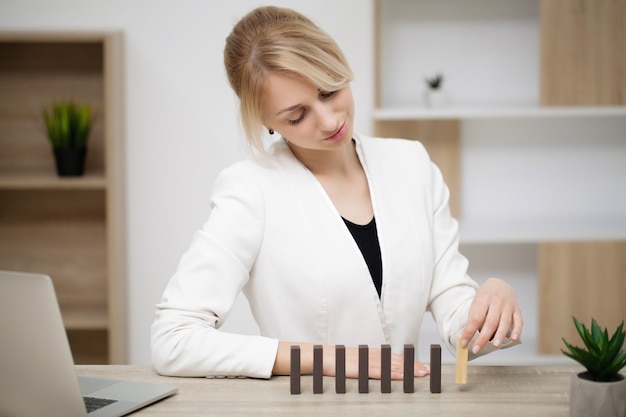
point(529, 174)
point(495, 112)
point(531, 232)
point(487, 52)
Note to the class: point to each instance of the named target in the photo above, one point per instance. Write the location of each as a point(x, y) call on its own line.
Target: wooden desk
point(490, 391)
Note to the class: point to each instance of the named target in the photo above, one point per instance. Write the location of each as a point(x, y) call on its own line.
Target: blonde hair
point(272, 39)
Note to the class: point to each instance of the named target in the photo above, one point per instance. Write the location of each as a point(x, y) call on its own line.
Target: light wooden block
point(462, 354)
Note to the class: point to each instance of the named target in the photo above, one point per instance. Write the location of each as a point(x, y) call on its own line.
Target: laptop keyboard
point(93, 403)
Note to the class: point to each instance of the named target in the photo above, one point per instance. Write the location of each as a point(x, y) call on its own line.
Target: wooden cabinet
point(69, 228)
point(554, 70)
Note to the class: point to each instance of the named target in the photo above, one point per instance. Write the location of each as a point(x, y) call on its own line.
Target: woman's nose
point(327, 119)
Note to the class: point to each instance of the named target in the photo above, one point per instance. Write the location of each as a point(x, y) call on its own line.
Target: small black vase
point(70, 162)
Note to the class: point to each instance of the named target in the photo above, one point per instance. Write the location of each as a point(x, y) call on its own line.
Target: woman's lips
point(338, 134)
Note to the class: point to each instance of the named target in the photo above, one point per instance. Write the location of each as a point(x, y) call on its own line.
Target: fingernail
point(464, 343)
point(421, 372)
point(497, 343)
point(475, 349)
point(427, 368)
point(514, 336)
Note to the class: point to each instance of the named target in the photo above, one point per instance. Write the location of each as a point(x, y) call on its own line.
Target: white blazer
point(274, 234)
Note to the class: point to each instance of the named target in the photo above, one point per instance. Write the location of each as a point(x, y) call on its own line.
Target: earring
point(271, 131)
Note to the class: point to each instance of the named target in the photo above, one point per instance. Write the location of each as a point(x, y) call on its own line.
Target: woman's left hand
point(494, 314)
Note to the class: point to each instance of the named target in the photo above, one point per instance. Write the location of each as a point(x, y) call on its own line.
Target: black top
point(366, 238)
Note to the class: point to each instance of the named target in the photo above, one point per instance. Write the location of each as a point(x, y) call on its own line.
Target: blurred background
point(529, 129)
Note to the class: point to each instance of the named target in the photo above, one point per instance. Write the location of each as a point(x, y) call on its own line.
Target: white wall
point(181, 124)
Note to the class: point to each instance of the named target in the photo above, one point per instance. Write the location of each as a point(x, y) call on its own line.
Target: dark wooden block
point(409, 369)
point(363, 369)
point(295, 369)
point(435, 369)
point(385, 369)
point(318, 369)
point(340, 369)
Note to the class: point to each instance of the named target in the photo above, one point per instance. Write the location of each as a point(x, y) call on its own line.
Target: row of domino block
point(385, 369)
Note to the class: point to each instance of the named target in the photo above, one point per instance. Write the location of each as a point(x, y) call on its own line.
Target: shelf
point(493, 112)
point(71, 228)
point(85, 319)
point(487, 51)
point(47, 181)
point(535, 231)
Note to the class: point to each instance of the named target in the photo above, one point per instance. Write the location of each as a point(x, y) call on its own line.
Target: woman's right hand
point(374, 361)
point(282, 364)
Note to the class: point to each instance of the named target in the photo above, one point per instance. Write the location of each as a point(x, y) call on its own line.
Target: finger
point(518, 324)
point(374, 360)
point(506, 320)
point(488, 329)
point(419, 370)
point(397, 367)
point(476, 316)
point(374, 365)
point(352, 363)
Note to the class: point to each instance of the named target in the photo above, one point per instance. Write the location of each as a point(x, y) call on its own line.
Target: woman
point(334, 238)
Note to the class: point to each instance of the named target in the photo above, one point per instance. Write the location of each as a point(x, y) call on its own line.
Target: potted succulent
point(601, 390)
point(67, 126)
point(435, 97)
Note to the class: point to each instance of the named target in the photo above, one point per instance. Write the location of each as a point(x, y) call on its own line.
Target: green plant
point(68, 124)
point(435, 82)
point(603, 356)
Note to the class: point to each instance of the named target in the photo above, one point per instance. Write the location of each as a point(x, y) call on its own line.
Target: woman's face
point(307, 117)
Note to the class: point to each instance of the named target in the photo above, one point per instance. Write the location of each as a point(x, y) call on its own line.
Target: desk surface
point(490, 391)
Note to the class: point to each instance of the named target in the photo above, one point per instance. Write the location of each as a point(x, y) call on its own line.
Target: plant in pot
point(67, 126)
point(435, 97)
point(601, 390)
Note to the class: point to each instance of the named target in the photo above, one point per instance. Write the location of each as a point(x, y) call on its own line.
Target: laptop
point(37, 375)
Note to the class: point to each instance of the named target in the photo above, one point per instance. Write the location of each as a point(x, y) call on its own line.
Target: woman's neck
point(343, 178)
point(340, 162)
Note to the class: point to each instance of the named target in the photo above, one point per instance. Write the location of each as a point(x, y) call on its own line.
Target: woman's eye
point(323, 95)
point(298, 120)
point(327, 94)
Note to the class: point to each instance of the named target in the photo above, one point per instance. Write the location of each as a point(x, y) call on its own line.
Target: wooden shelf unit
point(72, 229)
point(579, 74)
point(496, 112)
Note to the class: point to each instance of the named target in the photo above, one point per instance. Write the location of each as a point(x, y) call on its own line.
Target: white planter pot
point(597, 399)
point(435, 98)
